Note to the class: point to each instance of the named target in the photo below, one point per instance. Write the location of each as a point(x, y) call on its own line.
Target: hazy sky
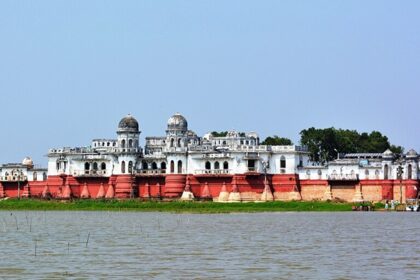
point(70, 70)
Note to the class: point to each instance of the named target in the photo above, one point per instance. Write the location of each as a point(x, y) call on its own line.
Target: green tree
point(277, 141)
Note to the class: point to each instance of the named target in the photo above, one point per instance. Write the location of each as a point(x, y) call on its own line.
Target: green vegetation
point(186, 207)
point(323, 144)
point(277, 141)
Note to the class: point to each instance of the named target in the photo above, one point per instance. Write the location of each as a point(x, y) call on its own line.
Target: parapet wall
point(241, 187)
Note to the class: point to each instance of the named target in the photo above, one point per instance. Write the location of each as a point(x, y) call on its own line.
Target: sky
point(70, 70)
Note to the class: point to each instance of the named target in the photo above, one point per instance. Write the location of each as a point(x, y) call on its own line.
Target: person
point(386, 205)
point(392, 205)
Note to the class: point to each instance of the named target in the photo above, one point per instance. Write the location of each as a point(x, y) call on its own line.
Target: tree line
point(325, 144)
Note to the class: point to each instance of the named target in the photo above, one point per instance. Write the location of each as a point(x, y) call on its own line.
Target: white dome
point(177, 122)
point(27, 161)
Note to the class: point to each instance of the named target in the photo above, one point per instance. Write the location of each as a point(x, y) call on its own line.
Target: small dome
point(177, 122)
point(128, 124)
point(233, 134)
point(412, 153)
point(388, 153)
point(28, 162)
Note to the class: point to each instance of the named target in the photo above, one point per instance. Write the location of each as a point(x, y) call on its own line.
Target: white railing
point(87, 173)
point(151, 171)
point(343, 177)
point(212, 171)
point(13, 178)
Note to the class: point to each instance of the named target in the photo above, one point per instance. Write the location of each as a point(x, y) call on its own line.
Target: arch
point(144, 165)
point(386, 172)
point(172, 142)
point(217, 165)
point(130, 167)
point(226, 165)
point(35, 176)
point(367, 173)
point(300, 161)
point(123, 143)
point(163, 165)
point(44, 176)
point(282, 162)
point(208, 165)
point(377, 174)
point(409, 172)
point(123, 167)
point(179, 166)
point(58, 165)
point(87, 166)
point(103, 166)
point(179, 143)
point(130, 143)
point(95, 166)
point(172, 166)
point(224, 142)
point(154, 165)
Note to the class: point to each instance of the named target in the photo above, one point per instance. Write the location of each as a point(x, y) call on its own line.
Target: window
point(251, 165)
point(130, 143)
point(123, 143)
point(87, 166)
point(35, 176)
point(300, 161)
point(409, 172)
point(103, 166)
point(58, 165)
point(130, 167)
point(44, 176)
point(172, 166)
point(208, 165)
point(217, 165)
point(123, 167)
point(172, 142)
point(367, 173)
point(386, 172)
point(163, 166)
point(154, 165)
point(95, 166)
point(179, 142)
point(179, 166)
point(144, 165)
point(225, 165)
point(282, 162)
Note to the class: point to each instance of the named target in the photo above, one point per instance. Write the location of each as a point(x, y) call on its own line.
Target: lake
point(121, 245)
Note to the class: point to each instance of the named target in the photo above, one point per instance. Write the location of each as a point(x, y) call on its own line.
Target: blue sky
point(70, 70)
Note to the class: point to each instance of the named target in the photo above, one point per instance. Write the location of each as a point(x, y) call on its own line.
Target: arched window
point(123, 167)
point(103, 166)
point(35, 176)
point(282, 162)
point(409, 172)
point(179, 166)
point(123, 143)
point(179, 142)
point(172, 166)
point(367, 173)
point(217, 165)
point(163, 165)
point(226, 165)
point(224, 142)
point(208, 165)
point(44, 176)
point(144, 165)
point(300, 161)
point(154, 165)
point(87, 166)
point(130, 167)
point(386, 172)
point(58, 165)
point(95, 166)
point(376, 174)
point(130, 143)
point(172, 142)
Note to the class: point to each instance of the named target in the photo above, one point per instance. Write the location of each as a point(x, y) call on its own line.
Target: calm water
point(122, 245)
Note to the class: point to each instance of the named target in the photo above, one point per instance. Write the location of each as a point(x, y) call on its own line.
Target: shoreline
point(177, 206)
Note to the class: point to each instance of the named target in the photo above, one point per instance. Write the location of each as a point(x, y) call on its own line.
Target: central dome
point(177, 122)
point(128, 124)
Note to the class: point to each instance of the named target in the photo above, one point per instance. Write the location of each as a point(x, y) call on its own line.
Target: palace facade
point(228, 168)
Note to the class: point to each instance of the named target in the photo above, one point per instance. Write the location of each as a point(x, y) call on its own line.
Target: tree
point(277, 141)
point(219, 134)
point(324, 144)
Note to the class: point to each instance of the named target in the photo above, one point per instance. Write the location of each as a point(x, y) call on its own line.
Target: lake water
point(121, 245)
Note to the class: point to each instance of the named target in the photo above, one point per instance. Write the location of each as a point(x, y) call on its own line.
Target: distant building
point(231, 167)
